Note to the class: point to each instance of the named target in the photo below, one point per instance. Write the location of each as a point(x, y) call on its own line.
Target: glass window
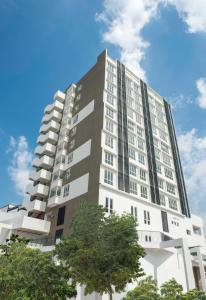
point(143, 191)
point(170, 188)
point(66, 190)
point(109, 205)
point(109, 140)
point(110, 99)
point(133, 187)
point(172, 203)
point(142, 174)
point(132, 170)
point(109, 125)
point(108, 177)
point(109, 158)
point(132, 153)
point(61, 214)
point(146, 217)
point(160, 183)
point(134, 212)
point(109, 112)
point(162, 200)
point(168, 173)
point(141, 158)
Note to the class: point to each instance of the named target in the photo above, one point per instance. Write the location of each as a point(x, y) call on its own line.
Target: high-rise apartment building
point(110, 139)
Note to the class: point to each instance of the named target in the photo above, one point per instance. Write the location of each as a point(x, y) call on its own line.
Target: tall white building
point(110, 139)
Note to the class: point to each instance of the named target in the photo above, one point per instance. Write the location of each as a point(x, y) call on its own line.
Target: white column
point(201, 267)
point(188, 265)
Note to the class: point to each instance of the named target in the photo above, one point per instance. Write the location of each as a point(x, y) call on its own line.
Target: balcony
point(44, 162)
point(50, 137)
point(54, 115)
point(36, 206)
point(54, 201)
point(52, 125)
point(59, 96)
point(57, 105)
point(39, 190)
point(42, 176)
point(25, 223)
point(47, 149)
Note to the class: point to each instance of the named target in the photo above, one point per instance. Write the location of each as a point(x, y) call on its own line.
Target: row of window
point(170, 188)
point(109, 207)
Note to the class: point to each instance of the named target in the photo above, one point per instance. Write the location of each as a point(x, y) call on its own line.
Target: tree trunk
point(110, 296)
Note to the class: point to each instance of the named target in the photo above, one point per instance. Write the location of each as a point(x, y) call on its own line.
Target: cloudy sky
point(48, 44)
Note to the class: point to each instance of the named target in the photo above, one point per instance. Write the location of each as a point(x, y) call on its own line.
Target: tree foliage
point(102, 252)
point(30, 274)
point(146, 290)
point(170, 290)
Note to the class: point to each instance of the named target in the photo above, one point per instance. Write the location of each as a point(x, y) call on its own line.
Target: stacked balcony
point(47, 141)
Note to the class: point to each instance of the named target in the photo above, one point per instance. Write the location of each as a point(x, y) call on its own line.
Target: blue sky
point(47, 46)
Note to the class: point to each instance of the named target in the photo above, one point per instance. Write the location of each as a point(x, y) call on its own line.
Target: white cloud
point(193, 154)
point(178, 101)
point(192, 12)
point(124, 22)
point(201, 86)
point(20, 163)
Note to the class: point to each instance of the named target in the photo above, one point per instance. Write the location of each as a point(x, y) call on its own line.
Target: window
point(109, 140)
point(130, 113)
point(141, 158)
point(108, 177)
point(110, 99)
point(70, 158)
point(109, 205)
point(60, 159)
point(109, 112)
point(143, 192)
point(172, 203)
point(142, 174)
point(164, 148)
point(58, 235)
point(131, 139)
point(132, 170)
point(162, 200)
point(156, 142)
point(140, 144)
point(160, 183)
point(159, 169)
point(139, 131)
point(168, 173)
point(157, 154)
point(148, 238)
point(110, 67)
point(55, 192)
point(110, 77)
point(130, 102)
point(131, 125)
point(108, 158)
point(133, 187)
point(162, 135)
point(139, 118)
point(61, 214)
point(197, 230)
point(66, 190)
point(188, 232)
point(109, 125)
point(67, 174)
point(166, 159)
point(132, 153)
point(57, 175)
point(170, 188)
point(134, 212)
point(146, 217)
point(110, 87)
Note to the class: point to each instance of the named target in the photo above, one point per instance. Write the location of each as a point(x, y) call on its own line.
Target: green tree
point(194, 295)
point(101, 252)
point(171, 290)
point(30, 274)
point(146, 290)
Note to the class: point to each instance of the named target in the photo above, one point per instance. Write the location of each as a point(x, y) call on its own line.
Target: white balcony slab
point(50, 137)
point(40, 190)
point(46, 149)
point(57, 105)
point(52, 125)
point(53, 115)
point(42, 175)
point(43, 162)
point(60, 96)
